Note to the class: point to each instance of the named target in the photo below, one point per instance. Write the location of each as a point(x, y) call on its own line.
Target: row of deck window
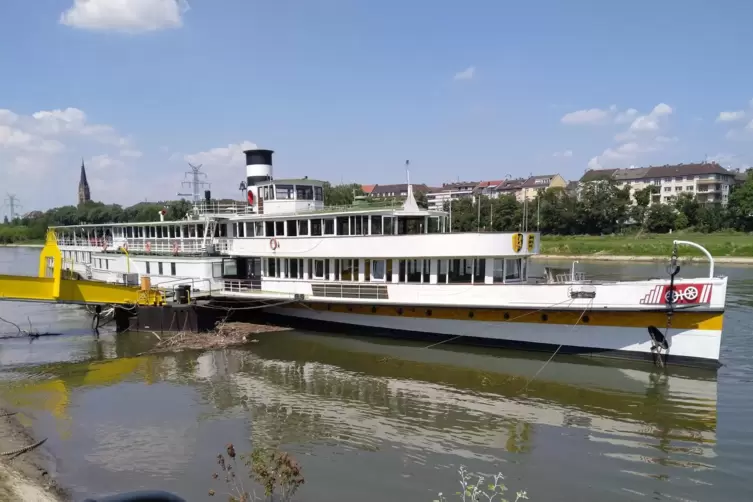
point(104, 263)
point(417, 271)
point(340, 225)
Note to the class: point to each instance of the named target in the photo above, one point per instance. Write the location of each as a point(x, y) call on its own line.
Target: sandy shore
point(25, 477)
point(731, 260)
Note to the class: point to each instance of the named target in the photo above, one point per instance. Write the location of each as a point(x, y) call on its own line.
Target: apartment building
point(708, 182)
point(399, 190)
point(450, 191)
point(537, 184)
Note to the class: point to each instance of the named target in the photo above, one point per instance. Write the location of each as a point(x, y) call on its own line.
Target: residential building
point(367, 189)
point(537, 184)
point(437, 197)
point(707, 181)
point(399, 190)
point(488, 188)
point(511, 187)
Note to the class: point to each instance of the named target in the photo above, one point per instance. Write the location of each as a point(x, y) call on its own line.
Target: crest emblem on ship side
point(517, 242)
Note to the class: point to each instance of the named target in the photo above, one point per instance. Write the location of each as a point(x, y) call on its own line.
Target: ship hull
point(695, 339)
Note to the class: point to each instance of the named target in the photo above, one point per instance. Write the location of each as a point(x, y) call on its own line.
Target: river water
point(375, 420)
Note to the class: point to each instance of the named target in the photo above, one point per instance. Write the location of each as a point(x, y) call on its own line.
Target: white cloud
point(626, 117)
point(590, 116)
point(731, 116)
point(565, 153)
point(104, 163)
point(34, 146)
point(466, 74)
point(131, 153)
point(666, 139)
point(651, 122)
point(130, 16)
point(224, 166)
point(230, 155)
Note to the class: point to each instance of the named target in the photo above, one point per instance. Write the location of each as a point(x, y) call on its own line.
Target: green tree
point(687, 205)
point(5, 220)
point(660, 218)
point(740, 205)
point(603, 208)
point(340, 195)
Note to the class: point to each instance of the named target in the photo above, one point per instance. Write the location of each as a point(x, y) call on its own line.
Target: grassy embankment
point(719, 244)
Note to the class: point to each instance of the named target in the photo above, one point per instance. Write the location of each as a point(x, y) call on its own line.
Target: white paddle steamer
point(400, 270)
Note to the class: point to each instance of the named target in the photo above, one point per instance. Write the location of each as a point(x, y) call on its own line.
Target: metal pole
point(478, 218)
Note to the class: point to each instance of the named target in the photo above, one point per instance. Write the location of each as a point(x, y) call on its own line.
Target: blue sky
point(347, 90)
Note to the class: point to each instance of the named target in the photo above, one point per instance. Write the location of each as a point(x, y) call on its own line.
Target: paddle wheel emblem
point(682, 294)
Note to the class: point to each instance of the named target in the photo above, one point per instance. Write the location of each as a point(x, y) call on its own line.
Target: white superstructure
point(399, 269)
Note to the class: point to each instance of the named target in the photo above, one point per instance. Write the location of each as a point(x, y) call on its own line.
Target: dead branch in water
point(226, 334)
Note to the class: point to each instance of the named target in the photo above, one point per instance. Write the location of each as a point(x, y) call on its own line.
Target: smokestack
point(258, 170)
point(258, 166)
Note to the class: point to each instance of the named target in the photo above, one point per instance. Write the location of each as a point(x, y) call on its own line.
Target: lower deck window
point(378, 270)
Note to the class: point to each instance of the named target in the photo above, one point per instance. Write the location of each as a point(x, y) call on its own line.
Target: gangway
point(50, 286)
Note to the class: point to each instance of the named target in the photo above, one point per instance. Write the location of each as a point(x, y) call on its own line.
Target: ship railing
point(220, 209)
point(188, 245)
point(199, 286)
point(241, 285)
point(568, 278)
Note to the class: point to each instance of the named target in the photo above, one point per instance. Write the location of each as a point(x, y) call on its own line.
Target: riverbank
point(24, 477)
point(729, 260)
point(725, 247)
point(25, 245)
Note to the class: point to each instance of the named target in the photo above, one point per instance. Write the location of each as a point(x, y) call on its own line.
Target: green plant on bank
point(478, 492)
point(277, 472)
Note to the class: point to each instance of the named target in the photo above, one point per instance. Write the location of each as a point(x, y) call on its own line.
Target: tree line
point(599, 208)
point(33, 226)
point(602, 208)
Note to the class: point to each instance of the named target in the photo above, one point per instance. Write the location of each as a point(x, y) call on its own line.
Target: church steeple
point(84, 195)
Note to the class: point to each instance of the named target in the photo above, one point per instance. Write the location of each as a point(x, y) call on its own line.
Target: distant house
point(437, 197)
point(512, 187)
point(367, 189)
point(400, 190)
point(537, 184)
point(708, 182)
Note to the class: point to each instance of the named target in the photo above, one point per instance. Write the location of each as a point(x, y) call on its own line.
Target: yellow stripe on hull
point(685, 320)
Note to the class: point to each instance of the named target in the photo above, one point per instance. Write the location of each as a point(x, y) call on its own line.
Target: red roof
point(367, 189)
point(492, 183)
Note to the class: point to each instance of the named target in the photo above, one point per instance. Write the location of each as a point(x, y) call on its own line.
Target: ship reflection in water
point(380, 420)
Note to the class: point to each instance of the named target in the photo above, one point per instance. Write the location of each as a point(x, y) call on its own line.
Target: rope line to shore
point(558, 349)
point(22, 450)
point(507, 320)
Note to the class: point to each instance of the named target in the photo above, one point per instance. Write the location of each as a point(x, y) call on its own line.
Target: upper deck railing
point(230, 209)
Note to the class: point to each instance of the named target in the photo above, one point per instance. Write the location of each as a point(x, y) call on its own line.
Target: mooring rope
point(505, 320)
point(558, 349)
point(22, 450)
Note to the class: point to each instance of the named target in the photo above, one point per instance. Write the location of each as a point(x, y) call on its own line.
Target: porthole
point(373, 310)
point(470, 314)
point(544, 317)
point(400, 311)
point(586, 319)
point(329, 306)
point(428, 312)
point(506, 316)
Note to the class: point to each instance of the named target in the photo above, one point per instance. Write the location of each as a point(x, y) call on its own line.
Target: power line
point(195, 183)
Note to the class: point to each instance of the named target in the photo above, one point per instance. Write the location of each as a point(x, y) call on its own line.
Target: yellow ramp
point(44, 289)
point(51, 287)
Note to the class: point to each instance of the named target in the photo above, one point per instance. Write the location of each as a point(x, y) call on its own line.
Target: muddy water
point(376, 420)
